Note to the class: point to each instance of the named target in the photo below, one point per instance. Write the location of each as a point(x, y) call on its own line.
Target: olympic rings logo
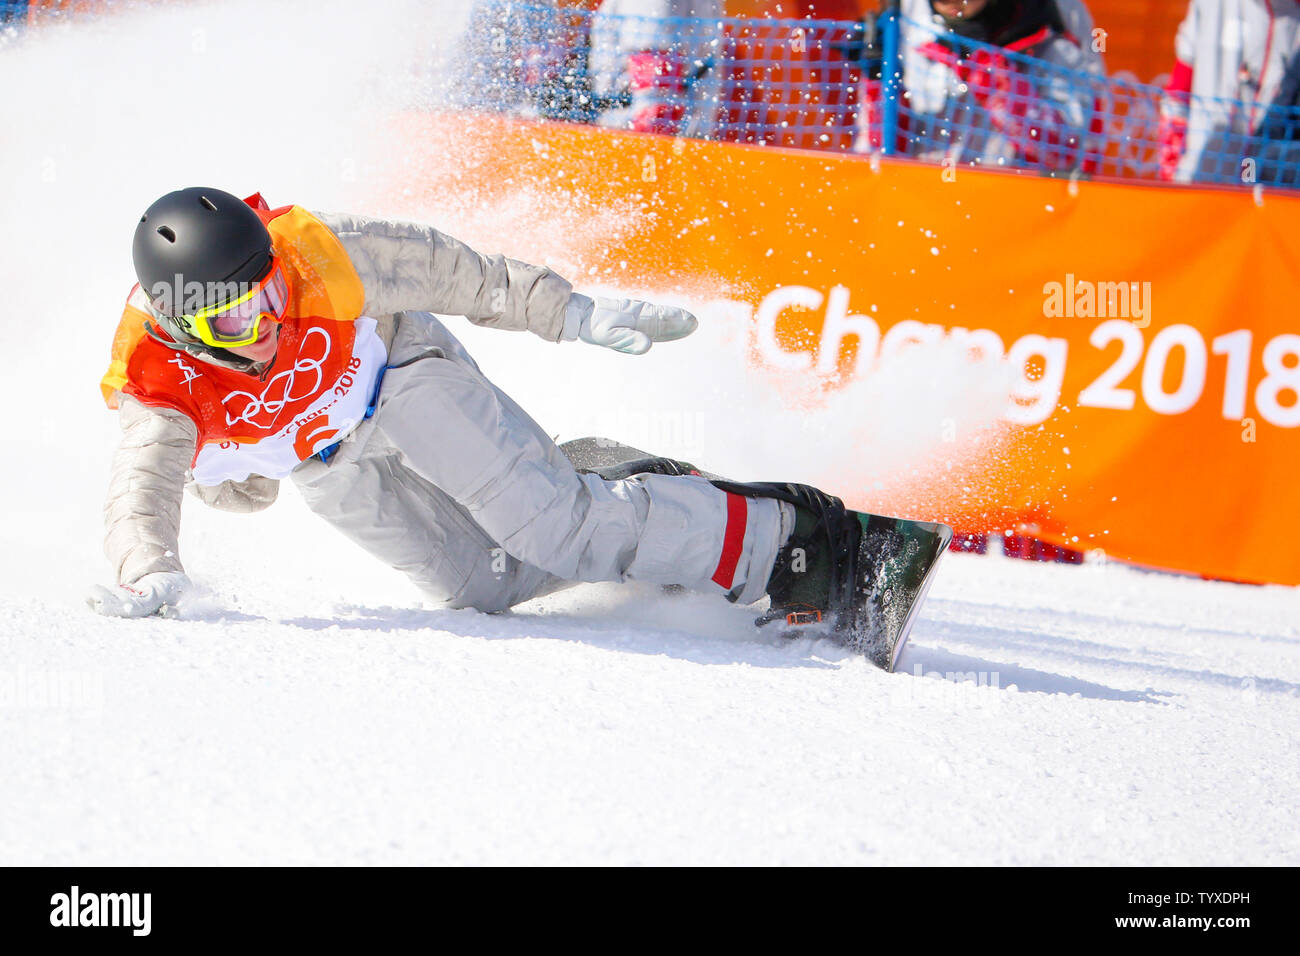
point(291, 385)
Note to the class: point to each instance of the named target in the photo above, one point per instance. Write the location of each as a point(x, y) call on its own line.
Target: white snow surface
point(308, 707)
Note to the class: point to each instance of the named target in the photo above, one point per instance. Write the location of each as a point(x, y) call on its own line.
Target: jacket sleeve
point(407, 266)
point(142, 518)
point(243, 497)
point(143, 513)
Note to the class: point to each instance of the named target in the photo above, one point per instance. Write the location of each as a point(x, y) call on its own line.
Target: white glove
point(625, 325)
point(151, 594)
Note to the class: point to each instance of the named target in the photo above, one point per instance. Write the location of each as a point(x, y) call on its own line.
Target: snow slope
point(308, 707)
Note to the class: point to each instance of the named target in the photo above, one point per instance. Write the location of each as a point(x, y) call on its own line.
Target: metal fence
point(860, 87)
point(15, 14)
point(742, 80)
point(885, 84)
point(1011, 109)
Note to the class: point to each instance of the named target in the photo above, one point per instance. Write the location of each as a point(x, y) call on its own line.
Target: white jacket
point(1238, 51)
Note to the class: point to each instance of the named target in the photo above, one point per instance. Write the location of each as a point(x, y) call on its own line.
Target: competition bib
point(327, 397)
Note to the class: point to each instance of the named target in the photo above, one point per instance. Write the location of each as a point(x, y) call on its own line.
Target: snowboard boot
point(814, 576)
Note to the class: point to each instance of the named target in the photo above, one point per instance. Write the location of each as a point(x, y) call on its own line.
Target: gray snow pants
point(454, 484)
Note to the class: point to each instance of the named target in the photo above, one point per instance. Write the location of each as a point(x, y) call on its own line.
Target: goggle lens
point(240, 320)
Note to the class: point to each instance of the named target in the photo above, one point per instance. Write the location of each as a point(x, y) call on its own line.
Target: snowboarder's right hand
point(625, 325)
point(147, 596)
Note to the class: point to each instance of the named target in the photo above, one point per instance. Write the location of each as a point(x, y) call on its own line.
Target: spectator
point(1279, 151)
point(967, 103)
point(661, 58)
point(1232, 63)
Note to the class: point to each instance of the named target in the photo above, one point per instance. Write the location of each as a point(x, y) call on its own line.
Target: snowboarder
point(264, 343)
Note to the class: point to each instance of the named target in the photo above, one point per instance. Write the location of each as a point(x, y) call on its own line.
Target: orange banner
point(1146, 337)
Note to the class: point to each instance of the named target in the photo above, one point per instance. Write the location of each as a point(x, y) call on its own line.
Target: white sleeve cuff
point(579, 309)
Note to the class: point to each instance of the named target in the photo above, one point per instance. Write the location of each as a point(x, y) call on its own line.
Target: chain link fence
point(887, 85)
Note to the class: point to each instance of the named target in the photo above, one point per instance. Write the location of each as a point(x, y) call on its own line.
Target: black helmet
point(197, 238)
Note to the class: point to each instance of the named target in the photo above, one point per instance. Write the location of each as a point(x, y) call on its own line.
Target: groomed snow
point(308, 708)
point(1126, 718)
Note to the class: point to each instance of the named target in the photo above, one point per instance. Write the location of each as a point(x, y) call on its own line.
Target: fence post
point(13, 12)
point(891, 69)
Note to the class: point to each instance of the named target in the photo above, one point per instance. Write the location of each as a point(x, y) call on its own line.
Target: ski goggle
point(238, 321)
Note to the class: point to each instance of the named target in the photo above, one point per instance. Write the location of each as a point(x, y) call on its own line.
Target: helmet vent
point(167, 233)
point(208, 203)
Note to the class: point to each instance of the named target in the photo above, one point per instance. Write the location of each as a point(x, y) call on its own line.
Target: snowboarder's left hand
point(625, 325)
point(149, 595)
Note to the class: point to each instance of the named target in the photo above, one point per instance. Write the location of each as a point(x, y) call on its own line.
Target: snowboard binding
point(857, 578)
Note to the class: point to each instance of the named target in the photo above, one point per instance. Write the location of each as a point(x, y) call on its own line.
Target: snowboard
point(896, 558)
